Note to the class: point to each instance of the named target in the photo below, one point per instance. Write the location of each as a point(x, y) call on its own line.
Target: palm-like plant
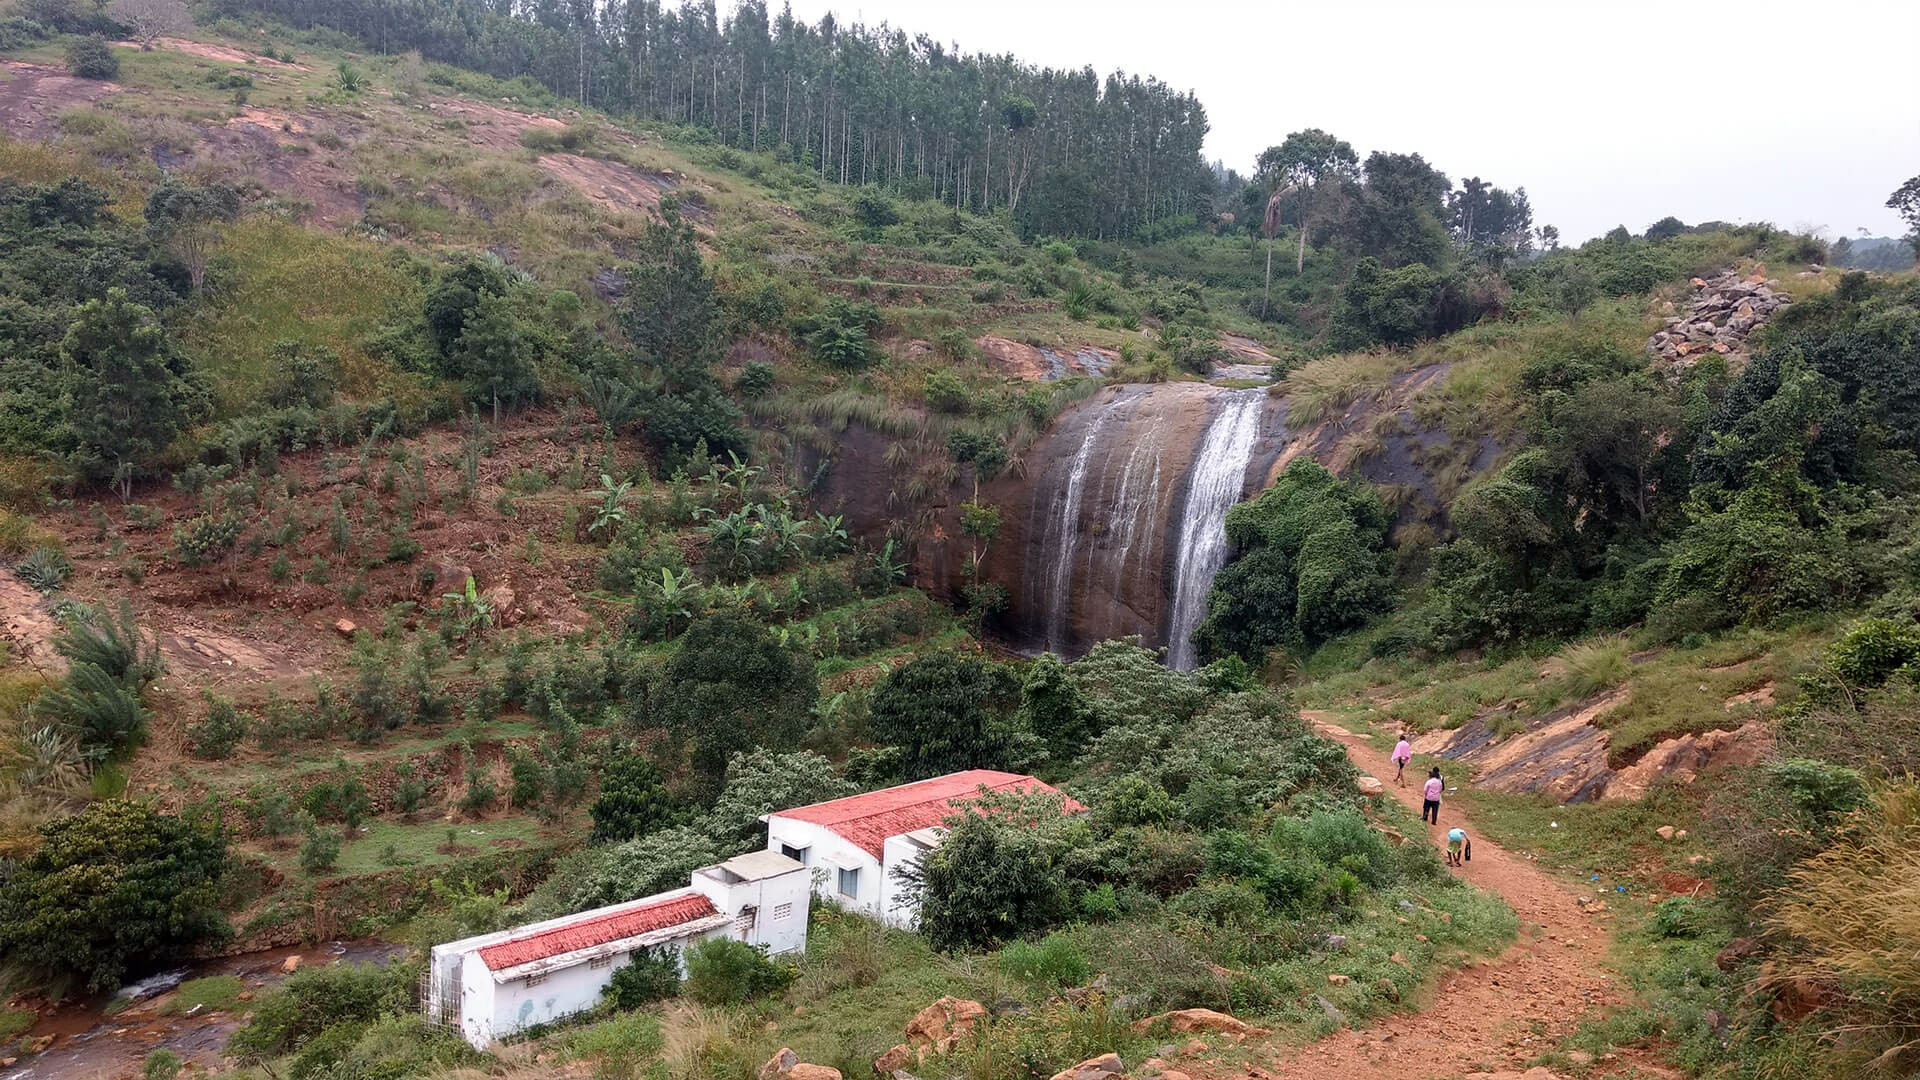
point(740, 475)
point(467, 610)
point(830, 534)
point(891, 569)
point(736, 535)
point(611, 511)
point(677, 592)
point(787, 536)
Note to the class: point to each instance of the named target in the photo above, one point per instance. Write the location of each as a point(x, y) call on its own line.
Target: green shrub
point(116, 889)
point(214, 736)
point(319, 848)
point(45, 568)
point(92, 58)
point(723, 971)
point(1053, 962)
point(161, 1064)
point(633, 800)
point(1872, 650)
point(205, 539)
point(649, 975)
point(946, 393)
point(314, 999)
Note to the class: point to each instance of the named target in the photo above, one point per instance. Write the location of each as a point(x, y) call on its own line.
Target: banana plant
point(737, 474)
point(611, 512)
point(678, 592)
point(830, 534)
point(467, 610)
point(892, 571)
point(736, 534)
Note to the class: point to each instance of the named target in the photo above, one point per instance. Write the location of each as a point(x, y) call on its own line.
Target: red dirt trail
point(1496, 1014)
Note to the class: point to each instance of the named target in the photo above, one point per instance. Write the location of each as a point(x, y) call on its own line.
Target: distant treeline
point(858, 104)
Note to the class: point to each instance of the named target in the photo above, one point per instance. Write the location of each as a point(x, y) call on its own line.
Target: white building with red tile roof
point(855, 845)
point(495, 985)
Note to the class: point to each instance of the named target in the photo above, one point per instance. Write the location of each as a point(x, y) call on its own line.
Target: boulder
point(291, 964)
point(786, 1065)
point(1386, 988)
point(893, 1060)
point(500, 600)
point(944, 1023)
point(1337, 979)
point(1370, 786)
point(1184, 1020)
point(1735, 952)
point(449, 577)
point(1664, 832)
point(1797, 998)
point(1173, 1074)
point(778, 1065)
point(1098, 1068)
point(344, 627)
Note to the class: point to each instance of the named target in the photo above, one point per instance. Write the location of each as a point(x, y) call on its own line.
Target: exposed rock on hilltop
point(1725, 309)
point(1565, 754)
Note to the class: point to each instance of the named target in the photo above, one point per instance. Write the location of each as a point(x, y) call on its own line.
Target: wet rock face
point(1725, 310)
point(1111, 524)
point(1090, 539)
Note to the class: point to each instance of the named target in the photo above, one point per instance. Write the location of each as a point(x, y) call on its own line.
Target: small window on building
point(850, 882)
point(536, 980)
point(797, 854)
point(782, 912)
point(601, 961)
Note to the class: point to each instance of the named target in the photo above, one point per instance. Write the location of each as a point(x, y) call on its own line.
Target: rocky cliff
point(1112, 522)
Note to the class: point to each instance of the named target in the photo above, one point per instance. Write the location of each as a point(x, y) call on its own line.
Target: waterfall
point(1214, 485)
point(1064, 533)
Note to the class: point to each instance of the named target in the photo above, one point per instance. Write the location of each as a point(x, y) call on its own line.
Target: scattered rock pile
point(786, 1065)
point(936, 1029)
point(1725, 309)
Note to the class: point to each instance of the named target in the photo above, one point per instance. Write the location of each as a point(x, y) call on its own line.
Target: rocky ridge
point(1726, 308)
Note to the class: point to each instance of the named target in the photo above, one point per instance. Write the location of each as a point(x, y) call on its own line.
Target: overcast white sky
point(1608, 111)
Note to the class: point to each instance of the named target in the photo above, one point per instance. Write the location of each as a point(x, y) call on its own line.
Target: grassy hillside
point(393, 453)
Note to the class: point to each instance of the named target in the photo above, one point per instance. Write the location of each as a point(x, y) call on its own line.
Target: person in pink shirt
point(1402, 753)
point(1430, 809)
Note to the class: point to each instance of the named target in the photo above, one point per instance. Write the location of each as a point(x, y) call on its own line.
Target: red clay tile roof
point(867, 820)
point(613, 926)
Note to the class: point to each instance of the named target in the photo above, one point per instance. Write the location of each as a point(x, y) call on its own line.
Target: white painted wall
point(898, 852)
point(779, 903)
point(476, 1002)
point(827, 850)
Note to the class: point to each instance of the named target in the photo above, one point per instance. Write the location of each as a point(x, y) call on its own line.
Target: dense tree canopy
point(731, 687)
point(117, 889)
point(947, 712)
point(853, 103)
point(1308, 565)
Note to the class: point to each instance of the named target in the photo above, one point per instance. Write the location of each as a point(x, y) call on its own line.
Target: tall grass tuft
point(1852, 910)
point(1594, 666)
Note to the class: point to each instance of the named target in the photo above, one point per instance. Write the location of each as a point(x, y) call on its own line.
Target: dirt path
point(1494, 1015)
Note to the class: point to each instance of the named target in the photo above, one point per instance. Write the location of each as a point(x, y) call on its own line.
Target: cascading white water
point(1063, 535)
point(1214, 485)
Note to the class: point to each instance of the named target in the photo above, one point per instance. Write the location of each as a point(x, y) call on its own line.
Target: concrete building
point(855, 845)
point(494, 985)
